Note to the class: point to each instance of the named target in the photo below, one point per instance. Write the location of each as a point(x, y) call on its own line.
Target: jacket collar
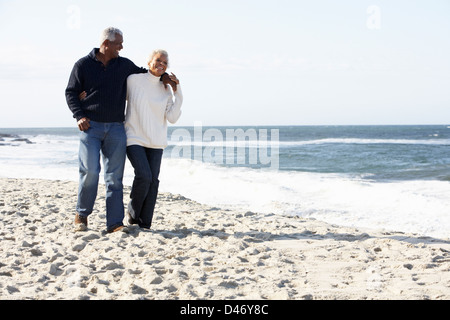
point(93, 56)
point(92, 53)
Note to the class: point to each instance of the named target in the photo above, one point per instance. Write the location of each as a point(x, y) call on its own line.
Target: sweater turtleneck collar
point(153, 78)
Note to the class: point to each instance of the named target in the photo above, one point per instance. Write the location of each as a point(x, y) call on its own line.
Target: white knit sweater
point(149, 107)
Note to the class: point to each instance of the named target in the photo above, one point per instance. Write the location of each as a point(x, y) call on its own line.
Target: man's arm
point(164, 78)
point(73, 90)
point(132, 68)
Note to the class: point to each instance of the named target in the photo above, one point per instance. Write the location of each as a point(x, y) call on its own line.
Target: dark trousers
point(146, 163)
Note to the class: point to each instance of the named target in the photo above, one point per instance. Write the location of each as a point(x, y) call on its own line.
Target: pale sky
point(242, 62)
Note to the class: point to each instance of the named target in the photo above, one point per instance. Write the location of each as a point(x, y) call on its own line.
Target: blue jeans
point(146, 163)
point(109, 140)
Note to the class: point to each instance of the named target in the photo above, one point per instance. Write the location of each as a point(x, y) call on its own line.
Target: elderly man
point(101, 76)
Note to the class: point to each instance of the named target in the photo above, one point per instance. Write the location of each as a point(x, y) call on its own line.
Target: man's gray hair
point(110, 34)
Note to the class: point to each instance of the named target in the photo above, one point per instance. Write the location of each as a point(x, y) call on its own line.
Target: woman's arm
point(173, 109)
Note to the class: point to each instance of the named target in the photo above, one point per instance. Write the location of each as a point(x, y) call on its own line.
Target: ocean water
point(395, 178)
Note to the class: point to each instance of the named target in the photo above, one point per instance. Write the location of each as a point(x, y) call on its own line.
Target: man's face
point(113, 47)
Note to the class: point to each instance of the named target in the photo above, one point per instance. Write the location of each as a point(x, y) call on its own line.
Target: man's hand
point(83, 124)
point(170, 79)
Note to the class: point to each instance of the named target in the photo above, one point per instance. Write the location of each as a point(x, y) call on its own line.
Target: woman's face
point(158, 65)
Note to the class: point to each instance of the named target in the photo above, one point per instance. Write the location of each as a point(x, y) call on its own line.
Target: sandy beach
point(196, 251)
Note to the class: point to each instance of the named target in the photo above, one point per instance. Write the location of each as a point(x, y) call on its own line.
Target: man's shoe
point(118, 228)
point(81, 223)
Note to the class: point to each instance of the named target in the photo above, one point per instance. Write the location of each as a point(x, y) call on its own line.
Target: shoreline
point(195, 251)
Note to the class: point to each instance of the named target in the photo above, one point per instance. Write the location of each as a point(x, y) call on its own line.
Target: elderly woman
point(150, 105)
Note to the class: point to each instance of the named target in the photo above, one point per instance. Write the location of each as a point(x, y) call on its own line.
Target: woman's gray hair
point(158, 51)
point(110, 34)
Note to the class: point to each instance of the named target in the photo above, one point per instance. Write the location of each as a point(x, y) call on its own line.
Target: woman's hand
point(174, 78)
point(82, 96)
point(170, 79)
